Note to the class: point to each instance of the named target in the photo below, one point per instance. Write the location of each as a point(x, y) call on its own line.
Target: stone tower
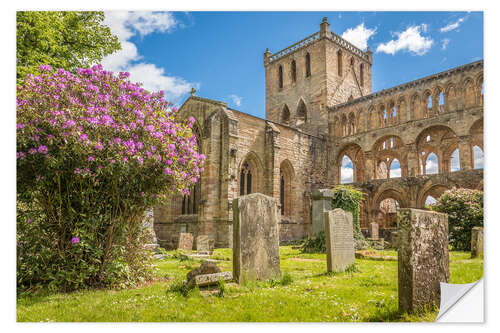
point(317, 72)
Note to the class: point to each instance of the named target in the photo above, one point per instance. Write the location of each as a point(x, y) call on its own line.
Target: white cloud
point(236, 99)
point(409, 40)
point(452, 26)
point(455, 161)
point(346, 171)
point(478, 158)
point(395, 173)
point(431, 165)
point(444, 43)
point(359, 35)
point(128, 24)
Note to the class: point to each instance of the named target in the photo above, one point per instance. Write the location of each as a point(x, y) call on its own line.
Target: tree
point(69, 40)
point(94, 151)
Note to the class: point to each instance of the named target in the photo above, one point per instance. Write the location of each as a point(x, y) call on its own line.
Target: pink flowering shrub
point(465, 210)
point(93, 152)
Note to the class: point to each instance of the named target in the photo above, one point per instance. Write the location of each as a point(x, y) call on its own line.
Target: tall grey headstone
point(321, 203)
point(256, 252)
point(423, 258)
point(476, 242)
point(374, 230)
point(339, 240)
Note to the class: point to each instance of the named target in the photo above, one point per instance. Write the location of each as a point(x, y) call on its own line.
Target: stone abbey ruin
point(403, 146)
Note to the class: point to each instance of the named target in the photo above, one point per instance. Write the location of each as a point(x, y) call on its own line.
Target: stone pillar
point(476, 242)
point(466, 154)
point(339, 240)
point(423, 258)
point(321, 202)
point(256, 252)
point(374, 230)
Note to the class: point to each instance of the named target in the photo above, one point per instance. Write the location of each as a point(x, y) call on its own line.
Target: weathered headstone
point(423, 258)
point(476, 242)
point(374, 230)
point(321, 203)
point(339, 240)
point(148, 223)
point(205, 244)
point(185, 241)
point(256, 253)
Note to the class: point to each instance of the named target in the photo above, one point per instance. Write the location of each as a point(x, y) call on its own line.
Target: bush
point(465, 211)
point(286, 279)
point(94, 151)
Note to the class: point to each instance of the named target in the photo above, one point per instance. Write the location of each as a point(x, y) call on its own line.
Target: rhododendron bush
point(93, 152)
point(465, 210)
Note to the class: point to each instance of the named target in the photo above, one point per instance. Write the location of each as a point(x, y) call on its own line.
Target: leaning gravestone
point(476, 242)
point(423, 258)
point(339, 240)
point(374, 230)
point(185, 241)
point(256, 252)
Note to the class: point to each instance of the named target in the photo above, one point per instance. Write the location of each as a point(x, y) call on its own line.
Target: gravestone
point(256, 253)
point(321, 203)
point(476, 242)
point(339, 240)
point(205, 244)
point(374, 230)
point(185, 241)
point(148, 223)
point(423, 258)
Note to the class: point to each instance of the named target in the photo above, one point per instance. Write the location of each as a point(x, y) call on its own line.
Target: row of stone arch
point(430, 102)
point(435, 150)
point(300, 114)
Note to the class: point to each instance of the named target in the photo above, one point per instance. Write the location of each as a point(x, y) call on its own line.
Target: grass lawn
point(368, 294)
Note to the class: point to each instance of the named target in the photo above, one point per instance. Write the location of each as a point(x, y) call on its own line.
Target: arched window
point(478, 157)
point(308, 65)
point(301, 113)
point(339, 62)
point(346, 170)
point(441, 101)
point(455, 160)
point(294, 71)
point(430, 201)
point(245, 179)
point(361, 75)
point(395, 169)
point(280, 76)
point(429, 103)
point(285, 116)
point(190, 202)
point(286, 179)
point(431, 164)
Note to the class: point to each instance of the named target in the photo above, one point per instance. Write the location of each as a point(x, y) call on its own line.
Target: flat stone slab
point(339, 236)
point(205, 280)
point(256, 252)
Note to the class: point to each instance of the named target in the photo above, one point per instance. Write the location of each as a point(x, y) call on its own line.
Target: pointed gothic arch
point(301, 115)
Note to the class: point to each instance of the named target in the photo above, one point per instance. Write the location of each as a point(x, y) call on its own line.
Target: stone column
point(321, 202)
point(466, 155)
point(339, 240)
point(476, 242)
point(423, 258)
point(256, 252)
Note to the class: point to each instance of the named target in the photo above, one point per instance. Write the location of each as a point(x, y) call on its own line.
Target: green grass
point(308, 293)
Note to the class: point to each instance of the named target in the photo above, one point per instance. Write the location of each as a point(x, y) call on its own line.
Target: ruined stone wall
point(398, 125)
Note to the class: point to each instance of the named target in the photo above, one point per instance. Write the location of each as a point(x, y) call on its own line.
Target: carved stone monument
point(185, 241)
point(339, 240)
point(476, 242)
point(423, 258)
point(256, 253)
point(321, 203)
point(205, 244)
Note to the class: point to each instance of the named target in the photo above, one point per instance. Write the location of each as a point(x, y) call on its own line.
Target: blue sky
point(221, 53)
